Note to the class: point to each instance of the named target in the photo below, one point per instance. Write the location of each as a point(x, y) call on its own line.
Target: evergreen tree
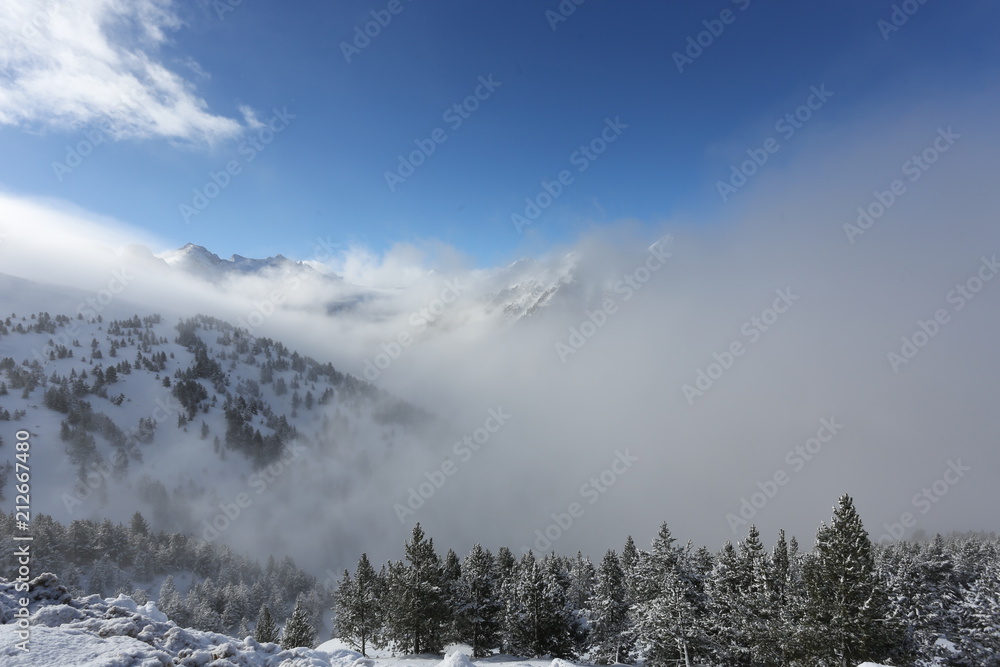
point(541, 622)
point(139, 526)
point(846, 608)
point(610, 620)
point(784, 604)
point(299, 630)
point(669, 624)
point(171, 603)
point(630, 563)
point(581, 589)
point(505, 574)
point(478, 608)
point(358, 618)
point(451, 572)
point(418, 614)
point(265, 630)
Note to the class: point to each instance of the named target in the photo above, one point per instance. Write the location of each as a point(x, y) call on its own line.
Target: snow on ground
point(117, 632)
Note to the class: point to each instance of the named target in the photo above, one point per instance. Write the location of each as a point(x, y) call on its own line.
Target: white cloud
point(68, 63)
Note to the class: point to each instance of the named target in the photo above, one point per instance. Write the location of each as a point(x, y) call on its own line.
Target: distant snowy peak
point(200, 261)
point(527, 286)
point(194, 258)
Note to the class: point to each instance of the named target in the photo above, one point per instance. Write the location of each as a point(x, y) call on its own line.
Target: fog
point(830, 305)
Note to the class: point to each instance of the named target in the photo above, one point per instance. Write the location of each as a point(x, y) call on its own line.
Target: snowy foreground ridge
point(117, 632)
point(91, 632)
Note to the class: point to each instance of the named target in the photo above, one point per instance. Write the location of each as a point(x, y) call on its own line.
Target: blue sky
point(208, 80)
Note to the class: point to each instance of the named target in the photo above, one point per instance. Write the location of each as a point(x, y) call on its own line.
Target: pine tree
point(451, 572)
point(630, 563)
point(359, 606)
point(581, 589)
point(299, 630)
point(139, 526)
point(669, 620)
point(540, 619)
point(505, 574)
point(846, 608)
point(610, 620)
point(478, 607)
point(754, 619)
point(784, 604)
point(265, 630)
point(171, 603)
point(418, 615)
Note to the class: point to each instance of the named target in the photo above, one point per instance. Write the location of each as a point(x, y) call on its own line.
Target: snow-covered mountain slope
point(178, 418)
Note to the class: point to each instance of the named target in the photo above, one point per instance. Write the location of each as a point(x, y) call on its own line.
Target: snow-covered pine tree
point(451, 572)
point(299, 630)
point(846, 608)
point(539, 616)
point(669, 624)
point(478, 609)
point(358, 618)
point(417, 612)
point(581, 588)
point(172, 604)
point(755, 616)
point(610, 619)
point(505, 575)
point(630, 562)
point(265, 630)
point(978, 622)
point(784, 605)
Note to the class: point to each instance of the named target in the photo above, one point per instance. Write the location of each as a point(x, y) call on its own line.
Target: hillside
point(178, 418)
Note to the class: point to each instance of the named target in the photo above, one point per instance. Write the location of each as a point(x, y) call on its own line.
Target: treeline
point(105, 558)
point(844, 602)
